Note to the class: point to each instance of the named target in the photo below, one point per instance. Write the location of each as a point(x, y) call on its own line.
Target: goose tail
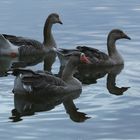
point(7, 48)
point(62, 58)
point(64, 54)
point(4, 43)
point(18, 71)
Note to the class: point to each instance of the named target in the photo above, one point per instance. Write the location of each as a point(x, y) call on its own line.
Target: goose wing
point(66, 51)
point(95, 55)
point(45, 84)
point(26, 46)
point(41, 80)
point(22, 41)
point(41, 83)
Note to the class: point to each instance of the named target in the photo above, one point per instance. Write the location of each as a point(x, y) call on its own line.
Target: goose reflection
point(89, 75)
point(26, 105)
point(7, 62)
point(111, 81)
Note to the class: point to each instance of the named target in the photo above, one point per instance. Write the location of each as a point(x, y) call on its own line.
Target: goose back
point(25, 45)
point(37, 82)
point(95, 55)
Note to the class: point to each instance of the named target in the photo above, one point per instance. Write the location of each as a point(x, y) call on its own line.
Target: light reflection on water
point(87, 23)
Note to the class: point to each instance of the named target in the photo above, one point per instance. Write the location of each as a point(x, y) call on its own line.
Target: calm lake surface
point(111, 117)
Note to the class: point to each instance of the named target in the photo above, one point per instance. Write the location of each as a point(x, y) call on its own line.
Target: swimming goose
point(19, 46)
point(28, 81)
point(99, 58)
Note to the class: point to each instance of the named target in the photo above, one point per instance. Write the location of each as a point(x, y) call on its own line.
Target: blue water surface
point(88, 22)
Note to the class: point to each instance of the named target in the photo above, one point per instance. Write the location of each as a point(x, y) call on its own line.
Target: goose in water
point(30, 82)
point(99, 58)
point(19, 46)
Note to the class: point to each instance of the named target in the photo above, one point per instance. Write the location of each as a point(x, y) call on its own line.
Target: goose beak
point(126, 37)
point(60, 22)
point(85, 59)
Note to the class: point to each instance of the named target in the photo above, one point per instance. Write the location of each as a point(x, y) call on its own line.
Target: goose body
point(99, 58)
point(28, 81)
point(14, 46)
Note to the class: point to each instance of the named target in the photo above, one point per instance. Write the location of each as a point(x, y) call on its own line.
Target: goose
point(14, 46)
point(99, 58)
point(28, 81)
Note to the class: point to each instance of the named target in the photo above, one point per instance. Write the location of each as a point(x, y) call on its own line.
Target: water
point(112, 117)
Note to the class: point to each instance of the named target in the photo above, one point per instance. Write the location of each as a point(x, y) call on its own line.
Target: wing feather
point(95, 55)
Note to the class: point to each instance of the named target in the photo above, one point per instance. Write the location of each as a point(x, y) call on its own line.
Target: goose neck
point(48, 37)
point(111, 46)
point(68, 72)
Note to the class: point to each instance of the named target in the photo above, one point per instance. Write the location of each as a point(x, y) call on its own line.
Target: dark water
point(112, 117)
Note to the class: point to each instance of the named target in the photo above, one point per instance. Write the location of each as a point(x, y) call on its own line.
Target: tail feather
point(19, 71)
point(64, 54)
point(4, 43)
point(63, 60)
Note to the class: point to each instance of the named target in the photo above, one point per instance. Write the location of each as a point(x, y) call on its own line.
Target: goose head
point(54, 18)
point(116, 34)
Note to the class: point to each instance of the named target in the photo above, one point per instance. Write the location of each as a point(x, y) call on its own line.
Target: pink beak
point(85, 59)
